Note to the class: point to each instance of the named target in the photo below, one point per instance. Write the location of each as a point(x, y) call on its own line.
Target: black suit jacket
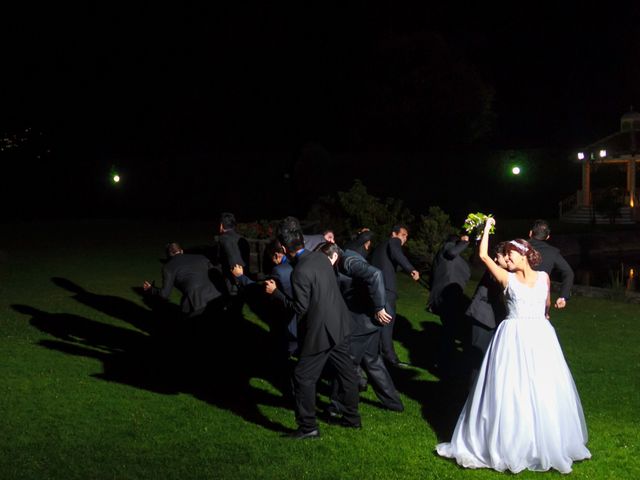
point(189, 274)
point(487, 305)
point(362, 287)
point(387, 257)
point(553, 261)
point(324, 320)
point(448, 269)
point(233, 250)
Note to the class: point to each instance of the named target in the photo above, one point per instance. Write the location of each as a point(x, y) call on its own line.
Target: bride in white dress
point(524, 411)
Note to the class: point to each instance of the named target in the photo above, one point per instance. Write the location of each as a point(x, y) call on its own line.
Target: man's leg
point(305, 376)
point(379, 376)
point(341, 360)
point(386, 332)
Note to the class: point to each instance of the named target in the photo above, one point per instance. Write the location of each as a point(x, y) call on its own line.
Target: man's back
point(189, 273)
point(450, 272)
point(232, 249)
point(553, 261)
point(324, 317)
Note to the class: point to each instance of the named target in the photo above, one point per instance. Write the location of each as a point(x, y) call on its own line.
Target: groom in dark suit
point(552, 260)
point(323, 334)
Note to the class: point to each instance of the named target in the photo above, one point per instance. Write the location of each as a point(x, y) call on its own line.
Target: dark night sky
point(107, 82)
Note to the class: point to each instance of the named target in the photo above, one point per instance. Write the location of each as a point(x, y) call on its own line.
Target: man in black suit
point(323, 334)
point(450, 274)
point(486, 311)
point(190, 274)
point(552, 260)
point(387, 257)
point(233, 249)
point(362, 287)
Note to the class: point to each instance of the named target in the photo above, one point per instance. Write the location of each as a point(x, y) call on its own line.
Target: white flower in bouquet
point(475, 224)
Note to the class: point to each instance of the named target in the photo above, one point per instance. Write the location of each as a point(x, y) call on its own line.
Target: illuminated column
point(586, 182)
point(631, 181)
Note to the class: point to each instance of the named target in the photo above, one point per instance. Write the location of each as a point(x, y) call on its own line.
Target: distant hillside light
point(603, 153)
point(515, 170)
point(116, 178)
point(580, 156)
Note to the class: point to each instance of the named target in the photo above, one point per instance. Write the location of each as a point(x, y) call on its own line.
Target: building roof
point(624, 142)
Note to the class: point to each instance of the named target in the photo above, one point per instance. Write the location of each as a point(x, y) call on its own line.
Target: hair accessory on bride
point(521, 248)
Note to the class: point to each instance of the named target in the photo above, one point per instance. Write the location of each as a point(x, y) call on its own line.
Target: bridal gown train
point(524, 411)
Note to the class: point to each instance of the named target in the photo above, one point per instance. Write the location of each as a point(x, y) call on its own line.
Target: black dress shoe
point(331, 414)
point(346, 424)
point(343, 422)
point(300, 434)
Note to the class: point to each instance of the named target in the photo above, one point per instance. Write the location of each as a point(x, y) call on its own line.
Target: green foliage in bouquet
point(474, 224)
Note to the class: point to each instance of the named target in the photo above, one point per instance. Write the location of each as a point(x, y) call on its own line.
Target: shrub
point(427, 237)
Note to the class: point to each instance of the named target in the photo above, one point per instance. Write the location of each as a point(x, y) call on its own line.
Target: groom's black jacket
point(553, 261)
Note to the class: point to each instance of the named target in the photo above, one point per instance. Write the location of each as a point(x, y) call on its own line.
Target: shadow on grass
point(442, 399)
point(214, 357)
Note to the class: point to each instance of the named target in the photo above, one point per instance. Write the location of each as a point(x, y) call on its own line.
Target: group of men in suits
point(343, 306)
point(338, 309)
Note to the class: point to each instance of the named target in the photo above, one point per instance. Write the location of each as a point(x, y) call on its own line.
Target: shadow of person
point(127, 355)
point(225, 354)
point(441, 399)
point(116, 307)
point(425, 347)
point(169, 364)
point(231, 353)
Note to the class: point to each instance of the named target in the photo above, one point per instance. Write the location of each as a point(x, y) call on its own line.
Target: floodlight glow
point(515, 170)
point(116, 178)
point(603, 153)
point(580, 156)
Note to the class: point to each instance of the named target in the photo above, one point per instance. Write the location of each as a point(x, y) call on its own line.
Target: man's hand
point(270, 286)
point(383, 317)
point(560, 303)
point(146, 286)
point(237, 271)
point(415, 275)
point(464, 238)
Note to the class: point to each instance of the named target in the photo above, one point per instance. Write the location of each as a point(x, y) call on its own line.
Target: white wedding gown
point(524, 411)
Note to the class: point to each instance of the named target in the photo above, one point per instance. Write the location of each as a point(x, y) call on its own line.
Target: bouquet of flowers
point(475, 223)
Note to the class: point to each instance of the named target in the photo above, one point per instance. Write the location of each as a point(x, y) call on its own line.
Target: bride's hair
point(524, 248)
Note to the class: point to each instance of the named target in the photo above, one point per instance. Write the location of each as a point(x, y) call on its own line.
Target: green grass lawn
point(88, 392)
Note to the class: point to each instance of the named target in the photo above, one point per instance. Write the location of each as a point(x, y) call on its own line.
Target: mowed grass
point(88, 391)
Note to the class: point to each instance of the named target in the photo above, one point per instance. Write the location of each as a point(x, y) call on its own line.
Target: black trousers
point(451, 311)
point(481, 336)
point(306, 375)
point(386, 332)
point(365, 350)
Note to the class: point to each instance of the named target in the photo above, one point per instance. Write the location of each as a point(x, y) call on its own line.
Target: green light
point(515, 170)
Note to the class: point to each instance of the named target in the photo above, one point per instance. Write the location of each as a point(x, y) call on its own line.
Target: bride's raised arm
point(500, 274)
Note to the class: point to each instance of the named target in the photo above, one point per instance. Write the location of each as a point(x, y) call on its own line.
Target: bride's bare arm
point(498, 272)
